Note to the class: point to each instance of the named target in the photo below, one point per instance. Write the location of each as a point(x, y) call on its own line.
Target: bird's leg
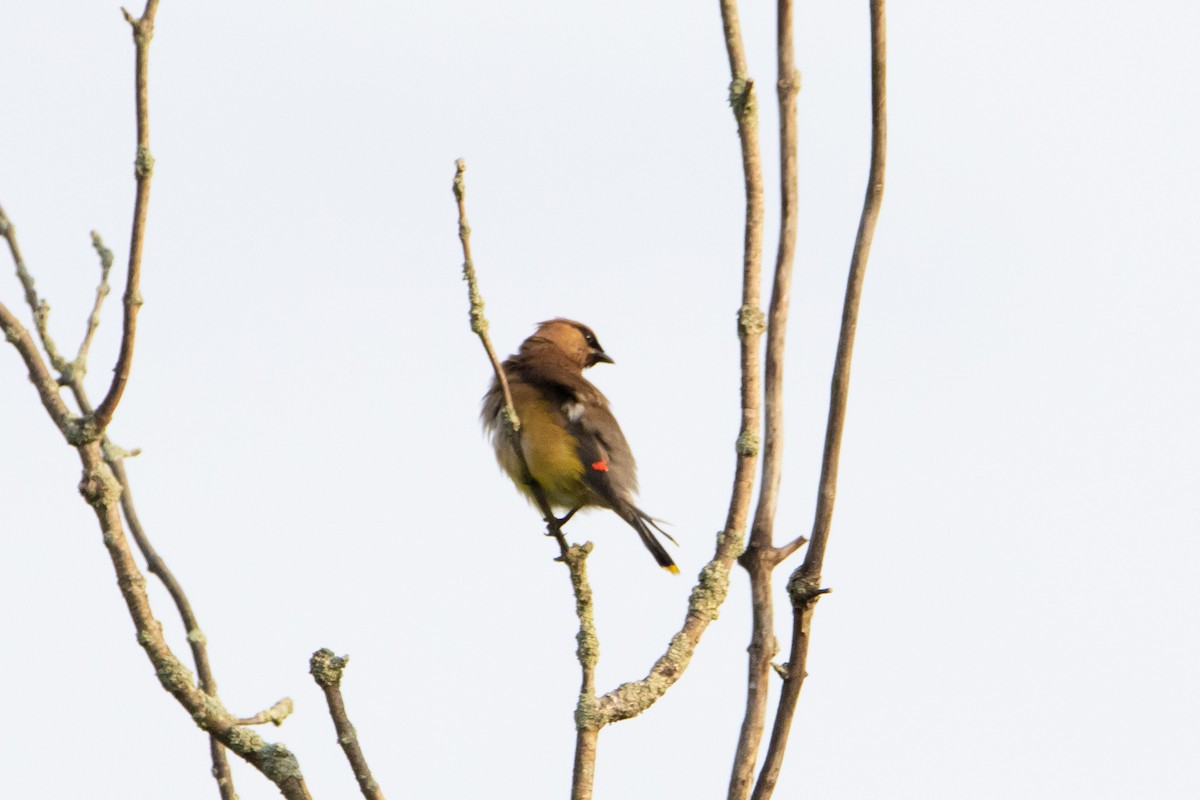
point(554, 524)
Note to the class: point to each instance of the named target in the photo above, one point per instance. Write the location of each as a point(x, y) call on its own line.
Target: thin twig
point(275, 715)
point(804, 585)
point(39, 307)
point(143, 32)
point(326, 669)
point(102, 289)
point(761, 557)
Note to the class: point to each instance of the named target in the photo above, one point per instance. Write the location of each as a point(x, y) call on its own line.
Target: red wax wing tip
point(600, 466)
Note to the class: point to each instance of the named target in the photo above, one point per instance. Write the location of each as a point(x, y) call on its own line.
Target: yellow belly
point(549, 452)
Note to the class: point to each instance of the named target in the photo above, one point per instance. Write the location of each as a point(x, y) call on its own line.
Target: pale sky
point(1014, 611)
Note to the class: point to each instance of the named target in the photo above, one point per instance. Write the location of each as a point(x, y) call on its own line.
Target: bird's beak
point(601, 356)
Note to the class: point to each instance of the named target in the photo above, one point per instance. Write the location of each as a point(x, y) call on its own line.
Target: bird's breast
point(550, 452)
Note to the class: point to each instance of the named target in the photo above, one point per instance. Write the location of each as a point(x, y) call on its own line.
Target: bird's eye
point(591, 340)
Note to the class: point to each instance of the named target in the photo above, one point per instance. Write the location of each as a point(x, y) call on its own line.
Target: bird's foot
point(554, 524)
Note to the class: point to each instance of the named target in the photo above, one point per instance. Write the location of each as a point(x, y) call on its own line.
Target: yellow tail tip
point(671, 568)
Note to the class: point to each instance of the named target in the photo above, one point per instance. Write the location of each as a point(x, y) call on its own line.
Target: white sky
point(1014, 610)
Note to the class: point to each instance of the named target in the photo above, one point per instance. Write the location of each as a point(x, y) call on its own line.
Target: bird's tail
point(642, 522)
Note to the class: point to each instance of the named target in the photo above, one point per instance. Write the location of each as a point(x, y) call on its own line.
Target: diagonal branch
point(143, 32)
point(156, 566)
point(39, 374)
point(102, 491)
point(804, 585)
point(326, 669)
point(39, 307)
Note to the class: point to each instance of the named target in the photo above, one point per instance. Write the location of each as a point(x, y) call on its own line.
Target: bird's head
point(574, 340)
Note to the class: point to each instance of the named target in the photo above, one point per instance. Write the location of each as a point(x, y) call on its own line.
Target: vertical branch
point(143, 32)
point(761, 557)
point(804, 584)
point(751, 322)
point(587, 722)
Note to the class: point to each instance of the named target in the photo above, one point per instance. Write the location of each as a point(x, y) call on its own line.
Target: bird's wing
point(608, 466)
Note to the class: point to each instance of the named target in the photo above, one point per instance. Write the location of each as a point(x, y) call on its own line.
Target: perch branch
point(326, 669)
point(587, 721)
point(587, 724)
point(479, 325)
point(761, 557)
point(630, 699)
point(804, 584)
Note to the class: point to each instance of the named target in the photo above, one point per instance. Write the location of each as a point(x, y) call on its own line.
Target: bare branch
point(143, 32)
point(751, 322)
point(760, 557)
point(326, 670)
point(804, 584)
point(107, 493)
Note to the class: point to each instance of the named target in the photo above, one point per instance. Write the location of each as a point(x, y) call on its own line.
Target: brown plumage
point(572, 443)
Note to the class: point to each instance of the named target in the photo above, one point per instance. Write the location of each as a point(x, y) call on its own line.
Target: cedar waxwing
point(572, 443)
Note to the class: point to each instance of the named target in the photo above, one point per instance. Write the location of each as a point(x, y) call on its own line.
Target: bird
point(573, 446)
